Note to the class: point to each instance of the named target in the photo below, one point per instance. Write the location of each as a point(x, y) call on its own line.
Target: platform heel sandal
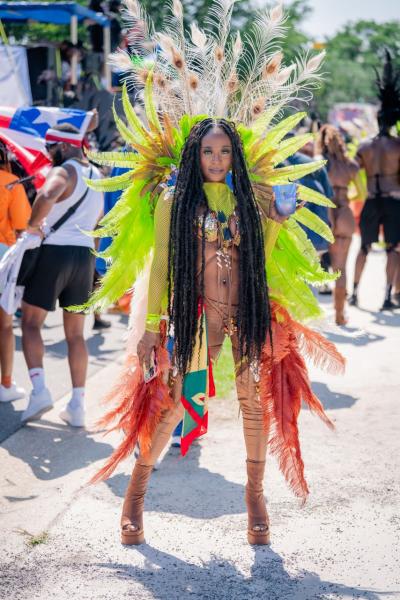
point(132, 532)
point(258, 532)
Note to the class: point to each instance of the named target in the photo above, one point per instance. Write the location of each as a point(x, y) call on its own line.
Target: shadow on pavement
point(52, 450)
point(331, 399)
point(94, 345)
point(353, 335)
point(386, 318)
point(168, 492)
point(167, 577)
point(10, 417)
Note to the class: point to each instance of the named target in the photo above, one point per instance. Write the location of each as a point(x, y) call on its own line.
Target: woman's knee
point(29, 326)
point(177, 412)
point(249, 398)
point(74, 338)
point(6, 327)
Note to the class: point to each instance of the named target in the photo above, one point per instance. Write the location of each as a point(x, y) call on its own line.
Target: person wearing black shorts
point(377, 211)
point(64, 271)
point(380, 157)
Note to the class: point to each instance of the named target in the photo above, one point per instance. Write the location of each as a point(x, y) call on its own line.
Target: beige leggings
point(246, 386)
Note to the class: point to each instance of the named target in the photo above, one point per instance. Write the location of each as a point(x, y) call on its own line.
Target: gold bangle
point(153, 319)
point(153, 323)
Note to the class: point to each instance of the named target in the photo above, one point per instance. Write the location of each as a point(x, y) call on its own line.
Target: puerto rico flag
point(23, 131)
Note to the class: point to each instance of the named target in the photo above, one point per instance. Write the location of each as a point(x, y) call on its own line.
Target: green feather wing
point(278, 132)
point(295, 295)
point(126, 160)
point(309, 195)
point(111, 184)
point(293, 172)
point(290, 146)
point(132, 118)
point(132, 219)
point(292, 267)
point(314, 222)
point(261, 124)
point(123, 130)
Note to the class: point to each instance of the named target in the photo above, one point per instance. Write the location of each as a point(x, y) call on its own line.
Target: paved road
point(344, 544)
point(104, 347)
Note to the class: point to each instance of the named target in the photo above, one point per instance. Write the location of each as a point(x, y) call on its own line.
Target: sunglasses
point(50, 145)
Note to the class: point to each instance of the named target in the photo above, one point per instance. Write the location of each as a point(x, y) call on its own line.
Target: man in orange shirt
point(15, 211)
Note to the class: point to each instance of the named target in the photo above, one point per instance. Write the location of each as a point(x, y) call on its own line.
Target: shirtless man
point(380, 158)
point(341, 170)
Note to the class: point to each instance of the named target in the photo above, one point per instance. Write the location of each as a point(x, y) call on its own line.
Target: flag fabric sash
point(24, 129)
point(198, 386)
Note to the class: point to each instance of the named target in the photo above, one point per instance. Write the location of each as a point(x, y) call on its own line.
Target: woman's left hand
point(275, 216)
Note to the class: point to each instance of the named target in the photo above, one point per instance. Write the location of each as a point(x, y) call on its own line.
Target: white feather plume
point(238, 45)
point(199, 38)
point(285, 74)
point(177, 9)
point(211, 72)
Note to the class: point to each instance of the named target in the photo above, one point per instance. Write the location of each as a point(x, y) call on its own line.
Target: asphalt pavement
point(104, 346)
point(59, 538)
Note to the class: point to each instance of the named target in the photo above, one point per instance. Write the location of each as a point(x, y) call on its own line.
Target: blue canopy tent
point(58, 13)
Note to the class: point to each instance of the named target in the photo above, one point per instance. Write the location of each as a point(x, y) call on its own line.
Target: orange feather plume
point(285, 384)
point(138, 411)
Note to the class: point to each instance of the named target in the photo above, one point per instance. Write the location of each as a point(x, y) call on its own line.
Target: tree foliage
point(43, 32)
point(353, 54)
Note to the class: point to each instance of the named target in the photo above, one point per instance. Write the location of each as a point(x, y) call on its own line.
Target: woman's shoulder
point(166, 194)
point(164, 203)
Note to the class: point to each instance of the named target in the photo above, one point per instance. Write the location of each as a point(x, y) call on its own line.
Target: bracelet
point(153, 322)
point(153, 319)
point(36, 227)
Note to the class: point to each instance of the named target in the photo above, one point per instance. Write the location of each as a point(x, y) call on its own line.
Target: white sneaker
point(7, 394)
point(39, 404)
point(73, 416)
point(176, 441)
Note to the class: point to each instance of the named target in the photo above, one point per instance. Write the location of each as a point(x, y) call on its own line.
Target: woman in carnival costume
point(342, 171)
point(200, 253)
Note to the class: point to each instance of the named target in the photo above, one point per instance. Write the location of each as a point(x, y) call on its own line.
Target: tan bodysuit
point(221, 280)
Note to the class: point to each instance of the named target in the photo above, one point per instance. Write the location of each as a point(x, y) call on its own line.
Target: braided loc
point(253, 317)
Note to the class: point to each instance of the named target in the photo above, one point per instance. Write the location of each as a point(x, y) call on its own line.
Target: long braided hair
point(253, 317)
point(332, 144)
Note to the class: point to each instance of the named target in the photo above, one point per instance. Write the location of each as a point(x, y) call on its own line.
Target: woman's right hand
point(149, 342)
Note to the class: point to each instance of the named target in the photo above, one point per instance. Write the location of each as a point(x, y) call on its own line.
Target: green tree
point(353, 54)
point(196, 10)
point(45, 32)
point(296, 41)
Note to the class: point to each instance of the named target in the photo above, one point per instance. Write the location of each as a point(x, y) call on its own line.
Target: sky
point(329, 15)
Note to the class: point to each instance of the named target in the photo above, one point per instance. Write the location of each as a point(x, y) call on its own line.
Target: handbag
point(31, 257)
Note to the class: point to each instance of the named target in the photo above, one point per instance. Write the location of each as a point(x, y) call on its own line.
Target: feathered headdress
point(388, 92)
point(211, 74)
